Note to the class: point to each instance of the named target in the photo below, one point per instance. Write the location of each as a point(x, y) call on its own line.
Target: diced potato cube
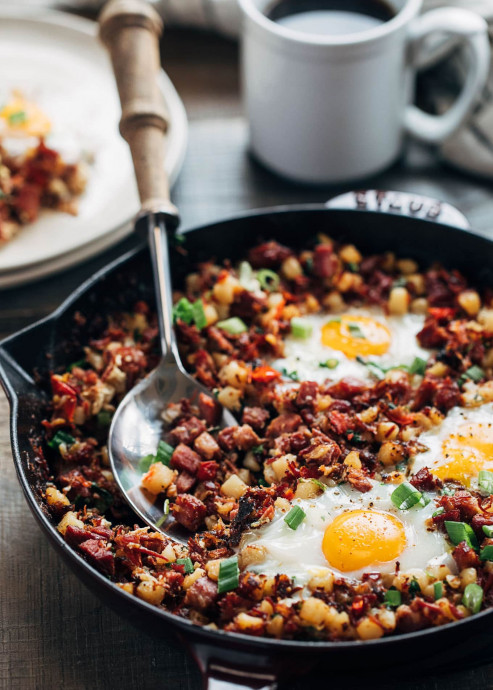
point(233, 487)
point(158, 478)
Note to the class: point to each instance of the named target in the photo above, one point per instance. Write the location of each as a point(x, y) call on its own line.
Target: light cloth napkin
point(470, 149)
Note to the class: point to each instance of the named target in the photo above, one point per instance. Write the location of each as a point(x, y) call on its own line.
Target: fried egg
point(350, 533)
point(337, 341)
point(460, 447)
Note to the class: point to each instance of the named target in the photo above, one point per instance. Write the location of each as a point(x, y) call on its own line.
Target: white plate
point(57, 60)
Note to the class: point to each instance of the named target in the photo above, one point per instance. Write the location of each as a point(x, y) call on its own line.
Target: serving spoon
point(130, 29)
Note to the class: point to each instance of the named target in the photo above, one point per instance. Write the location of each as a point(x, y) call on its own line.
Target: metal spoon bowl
point(130, 29)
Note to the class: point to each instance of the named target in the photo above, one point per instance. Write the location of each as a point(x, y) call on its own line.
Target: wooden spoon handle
point(130, 29)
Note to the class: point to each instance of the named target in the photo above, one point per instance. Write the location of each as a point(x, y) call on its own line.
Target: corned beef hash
point(354, 498)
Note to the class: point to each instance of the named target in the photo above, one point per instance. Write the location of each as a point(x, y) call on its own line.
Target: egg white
point(304, 355)
point(297, 552)
point(434, 438)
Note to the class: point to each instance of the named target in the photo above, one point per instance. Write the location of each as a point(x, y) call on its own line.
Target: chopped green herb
point(104, 418)
point(295, 517)
point(353, 266)
point(400, 282)
point(438, 589)
point(17, 118)
point(146, 462)
point(268, 279)
point(356, 331)
point(262, 482)
point(81, 363)
point(461, 531)
point(187, 563)
point(301, 328)
point(418, 366)
point(485, 481)
point(164, 453)
point(392, 597)
point(233, 325)
point(318, 483)
point(293, 375)
point(488, 530)
point(414, 588)
point(473, 597)
point(329, 364)
point(61, 437)
point(229, 575)
point(258, 449)
point(336, 319)
point(199, 314)
point(102, 498)
point(438, 511)
point(406, 496)
point(487, 553)
point(446, 491)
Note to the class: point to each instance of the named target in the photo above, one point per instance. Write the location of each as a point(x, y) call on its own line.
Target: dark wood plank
point(54, 632)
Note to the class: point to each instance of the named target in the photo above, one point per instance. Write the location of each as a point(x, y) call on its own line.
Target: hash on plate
point(354, 498)
point(34, 173)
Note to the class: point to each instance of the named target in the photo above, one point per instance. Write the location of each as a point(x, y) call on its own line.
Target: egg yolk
point(23, 118)
point(356, 335)
point(465, 453)
point(360, 538)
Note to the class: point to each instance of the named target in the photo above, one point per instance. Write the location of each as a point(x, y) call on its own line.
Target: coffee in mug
point(329, 84)
point(330, 17)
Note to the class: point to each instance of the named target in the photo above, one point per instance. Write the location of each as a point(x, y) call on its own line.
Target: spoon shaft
point(158, 242)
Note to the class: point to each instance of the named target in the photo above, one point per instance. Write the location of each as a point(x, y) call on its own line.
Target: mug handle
point(471, 30)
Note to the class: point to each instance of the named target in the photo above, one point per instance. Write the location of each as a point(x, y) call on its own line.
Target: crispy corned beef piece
point(186, 431)
point(207, 446)
point(210, 409)
point(268, 255)
point(184, 458)
point(256, 417)
point(307, 394)
point(244, 437)
point(424, 480)
point(465, 557)
point(202, 594)
point(284, 424)
point(98, 554)
point(189, 511)
point(325, 261)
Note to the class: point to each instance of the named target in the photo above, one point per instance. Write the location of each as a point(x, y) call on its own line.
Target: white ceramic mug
point(333, 108)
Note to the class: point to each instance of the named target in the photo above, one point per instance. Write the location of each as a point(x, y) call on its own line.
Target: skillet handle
point(401, 204)
point(233, 669)
point(130, 29)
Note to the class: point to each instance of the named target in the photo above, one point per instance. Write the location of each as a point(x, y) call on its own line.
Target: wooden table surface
point(54, 632)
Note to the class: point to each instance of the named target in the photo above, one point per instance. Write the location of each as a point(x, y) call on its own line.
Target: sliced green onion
point(374, 368)
point(438, 589)
point(487, 553)
point(164, 453)
point(301, 328)
point(233, 326)
point(356, 331)
point(247, 277)
point(438, 511)
point(318, 483)
point(187, 562)
point(459, 532)
point(229, 575)
point(146, 462)
point(488, 530)
point(104, 418)
point(166, 513)
point(336, 319)
point(418, 366)
point(199, 314)
point(17, 118)
point(406, 496)
point(183, 310)
point(473, 597)
point(393, 597)
point(268, 279)
point(295, 517)
point(329, 364)
point(447, 492)
point(485, 481)
point(475, 373)
point(61, 437)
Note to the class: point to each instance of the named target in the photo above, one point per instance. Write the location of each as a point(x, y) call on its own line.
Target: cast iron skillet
point(228, 659)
